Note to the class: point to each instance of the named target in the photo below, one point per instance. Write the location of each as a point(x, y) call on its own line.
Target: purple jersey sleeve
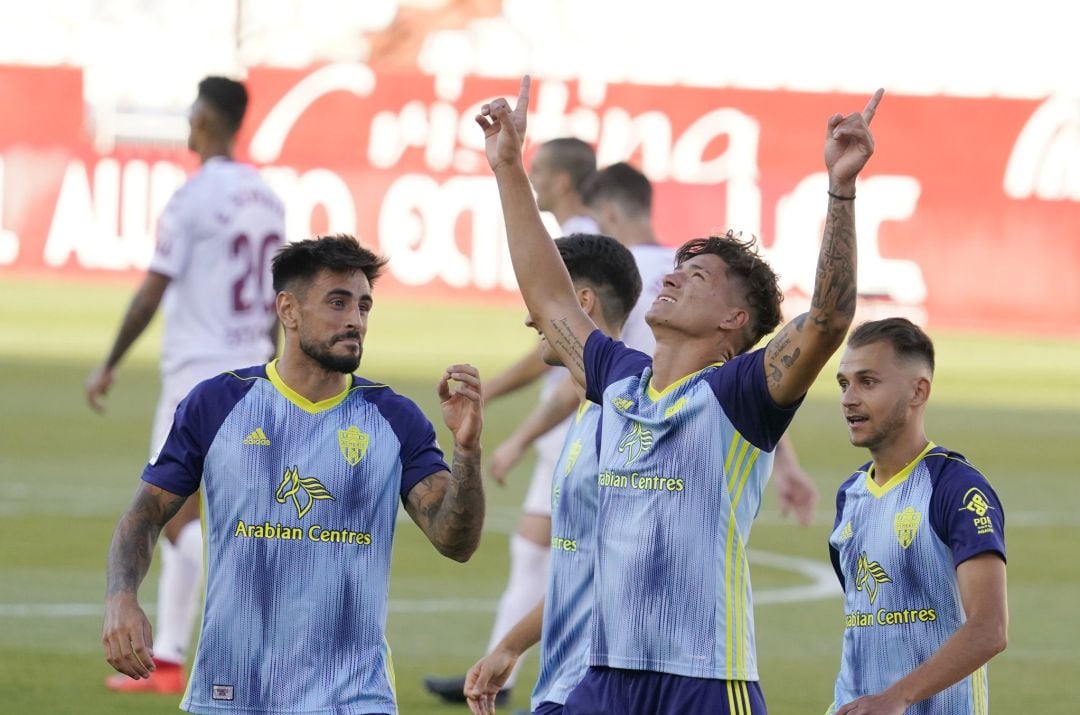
point(965, 512)
point(420, 453)
point(607, 361)
point(740, 387)
point(178, 466)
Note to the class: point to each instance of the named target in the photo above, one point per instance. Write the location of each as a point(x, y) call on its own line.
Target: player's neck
point(569, 207)
point(216, 149)
point(637, 234)
point(674, 359)
point(308, 379)
point(894, 457)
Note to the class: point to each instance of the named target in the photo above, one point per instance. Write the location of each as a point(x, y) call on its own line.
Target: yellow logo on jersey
point(868, 575)
point(353, 444)
point(572, 455)
point(258, 437)
point(679, 404)
point(622, 404)
point(846, 533)
point(977, 503)
point(291, 486)
point(636, 443)
point(906, 524)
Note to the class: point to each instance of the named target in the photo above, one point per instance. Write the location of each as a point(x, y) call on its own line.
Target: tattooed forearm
point(833, 304)
point(450, 507)
point(566, 342)
point(133, 541)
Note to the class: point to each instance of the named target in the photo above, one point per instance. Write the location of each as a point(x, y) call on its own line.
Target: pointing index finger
point(523, 93)
point(871, 106)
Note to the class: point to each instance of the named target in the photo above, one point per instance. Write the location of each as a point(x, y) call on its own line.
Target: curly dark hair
point(301, 261)
point(753, 274)
point(609, 267)
point(907, 339)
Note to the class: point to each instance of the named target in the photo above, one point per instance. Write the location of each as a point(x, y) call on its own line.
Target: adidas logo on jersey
point(258, 437)
point(846, 533)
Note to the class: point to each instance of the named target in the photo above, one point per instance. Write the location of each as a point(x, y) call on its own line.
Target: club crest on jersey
point(353, 444)
point(291, 487)
point(868, 575)
point(906, 524)
point(637, 442)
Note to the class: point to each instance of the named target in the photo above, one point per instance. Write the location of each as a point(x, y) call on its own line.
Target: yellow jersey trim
point(880, 490)
point(581, 410)
point(655, 394)
point(740, 460)
point(299, 400)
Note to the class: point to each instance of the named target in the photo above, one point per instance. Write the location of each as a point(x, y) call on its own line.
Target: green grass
point(66, 474)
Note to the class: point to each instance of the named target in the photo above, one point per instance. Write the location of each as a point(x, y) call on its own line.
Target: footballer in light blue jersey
point(918, 543)
point(568, 602)
point(300, 502)
point(687, 435)
point(895, 550)
point(672, 581)
point(301, 465)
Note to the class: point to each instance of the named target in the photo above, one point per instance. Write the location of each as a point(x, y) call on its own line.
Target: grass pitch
point(66, 474)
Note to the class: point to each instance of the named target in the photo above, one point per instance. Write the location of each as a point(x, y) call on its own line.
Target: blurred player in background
point(918, 543)
point(608, 286)
point(211, 274)
point(302, 465)
point(559, 171)
point(687, 435)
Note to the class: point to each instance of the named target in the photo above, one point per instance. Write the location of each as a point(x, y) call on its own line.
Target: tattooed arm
point(449, 506)
point(126, 636)
point(795, 356)
point(541, 275)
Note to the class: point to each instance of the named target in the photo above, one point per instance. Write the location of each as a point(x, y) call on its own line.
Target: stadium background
point(361, 117)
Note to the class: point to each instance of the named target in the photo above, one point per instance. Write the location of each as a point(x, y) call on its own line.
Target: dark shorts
point(611, 691)
point(548, 708)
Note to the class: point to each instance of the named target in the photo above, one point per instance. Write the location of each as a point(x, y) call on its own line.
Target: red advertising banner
point(968, 215)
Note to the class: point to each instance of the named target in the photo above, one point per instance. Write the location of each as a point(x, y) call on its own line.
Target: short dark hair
point(624, 185)
point(228, 97)
point(908, 340)
point(744, 264)
point(302, 260)
point(573, 156)
point(608, 267)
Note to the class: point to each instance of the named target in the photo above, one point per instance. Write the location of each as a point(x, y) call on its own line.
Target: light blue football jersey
point(568, 603)
point(681, 477)
point(299, 504)
point(895, 549)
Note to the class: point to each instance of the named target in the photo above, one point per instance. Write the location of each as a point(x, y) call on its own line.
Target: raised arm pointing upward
point(706, 312)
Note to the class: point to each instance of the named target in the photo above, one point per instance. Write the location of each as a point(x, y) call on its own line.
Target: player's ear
point(587, 299)
point(734, 319)
point(288, 309)
point(921, 390)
